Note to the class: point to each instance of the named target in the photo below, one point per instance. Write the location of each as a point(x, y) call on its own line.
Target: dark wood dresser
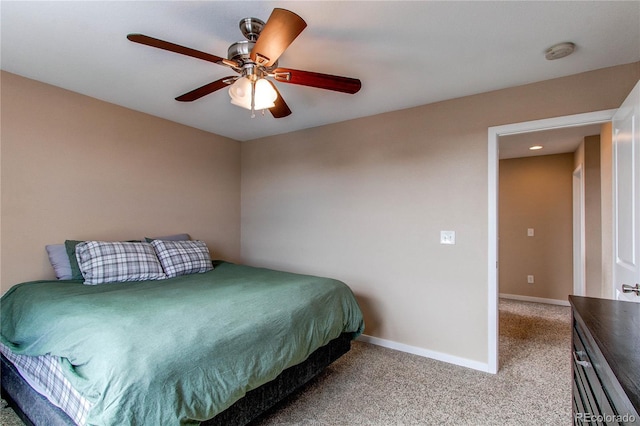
point(606, 361)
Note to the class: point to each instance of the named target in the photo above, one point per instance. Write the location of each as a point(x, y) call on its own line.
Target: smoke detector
point(559, 50)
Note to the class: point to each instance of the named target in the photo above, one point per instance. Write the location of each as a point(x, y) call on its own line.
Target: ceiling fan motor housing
point(240, 50)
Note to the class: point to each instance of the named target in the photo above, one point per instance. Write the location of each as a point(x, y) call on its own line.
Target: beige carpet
point(372, 385)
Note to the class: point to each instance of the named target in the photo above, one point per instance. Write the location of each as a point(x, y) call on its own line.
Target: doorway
point(494, 134)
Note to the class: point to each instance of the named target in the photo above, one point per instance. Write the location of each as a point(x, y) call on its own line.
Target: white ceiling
point(553, 141)
point(406, 53)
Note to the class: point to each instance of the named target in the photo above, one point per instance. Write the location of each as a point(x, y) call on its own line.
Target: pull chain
point(253, 99)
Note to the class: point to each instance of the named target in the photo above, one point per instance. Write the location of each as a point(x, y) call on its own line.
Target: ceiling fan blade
point(321, 81)
point(281, 29)
point(281, 109)
point(172, 47)
point(206, 89)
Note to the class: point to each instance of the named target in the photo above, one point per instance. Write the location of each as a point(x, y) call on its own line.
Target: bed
point(215, 347)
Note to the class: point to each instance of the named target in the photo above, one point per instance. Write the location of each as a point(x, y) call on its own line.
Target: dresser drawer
point(591, 401)
point(605, 359)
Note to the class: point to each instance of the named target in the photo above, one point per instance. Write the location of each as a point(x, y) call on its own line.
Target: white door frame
point(494, 134)
point(579, 249)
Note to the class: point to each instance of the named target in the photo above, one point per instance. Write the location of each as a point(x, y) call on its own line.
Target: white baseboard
point(451, 359)
point(439, 356)
point(535, 299)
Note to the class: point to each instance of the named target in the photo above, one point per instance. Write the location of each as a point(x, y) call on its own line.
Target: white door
point(626, 204)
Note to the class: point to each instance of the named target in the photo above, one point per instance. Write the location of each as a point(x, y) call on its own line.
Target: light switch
point(529, 232)
point(447, 237)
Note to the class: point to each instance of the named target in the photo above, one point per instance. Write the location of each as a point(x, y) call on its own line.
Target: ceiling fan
point(255, 60)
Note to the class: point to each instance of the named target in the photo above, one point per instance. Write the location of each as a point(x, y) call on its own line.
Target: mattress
point(142, 352)
point(34, 409)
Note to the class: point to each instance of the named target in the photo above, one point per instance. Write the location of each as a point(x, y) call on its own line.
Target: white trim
point(439, 356)
point(493, 134)
point(535, 299)
point(579, 231)
point(492, 294)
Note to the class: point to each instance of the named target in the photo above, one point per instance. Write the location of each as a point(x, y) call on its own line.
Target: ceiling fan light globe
point(265, 95)
point(240, 93)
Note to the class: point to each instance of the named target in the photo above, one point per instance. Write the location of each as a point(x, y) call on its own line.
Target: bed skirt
point(35, 409)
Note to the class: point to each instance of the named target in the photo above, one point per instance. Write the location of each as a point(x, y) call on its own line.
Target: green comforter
point(181, 350)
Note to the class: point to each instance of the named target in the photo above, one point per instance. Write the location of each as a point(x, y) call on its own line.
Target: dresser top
point(615, 327)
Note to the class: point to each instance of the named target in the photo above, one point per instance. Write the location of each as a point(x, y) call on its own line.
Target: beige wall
point(74, 167)
point(536, 192)
point(364, 201)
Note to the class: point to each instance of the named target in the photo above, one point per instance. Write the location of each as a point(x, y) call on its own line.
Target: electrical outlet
point(447, 237)
point(530, 279)
point(530, 232)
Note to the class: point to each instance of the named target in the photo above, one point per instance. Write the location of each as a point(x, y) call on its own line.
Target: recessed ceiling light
point(559, 50)
point(535, 147)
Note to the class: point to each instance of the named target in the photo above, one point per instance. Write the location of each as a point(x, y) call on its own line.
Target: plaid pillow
point(108, 262)
point(183, 257)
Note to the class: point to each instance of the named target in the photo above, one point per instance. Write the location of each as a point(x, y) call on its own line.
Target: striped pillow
point(183, 257)
point(107, 262)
